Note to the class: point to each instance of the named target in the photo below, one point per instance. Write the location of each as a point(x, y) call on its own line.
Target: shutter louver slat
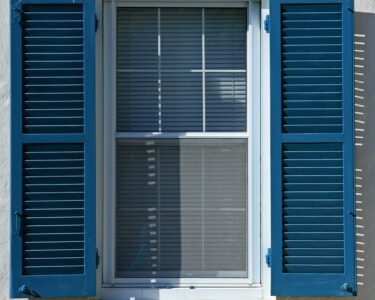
point(311, 195)
point(319, 53)
point(312, 148)
point(43, 66)
point(53, 149)
point(48, 159)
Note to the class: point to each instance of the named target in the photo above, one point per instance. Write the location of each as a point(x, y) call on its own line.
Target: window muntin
point(181, 96)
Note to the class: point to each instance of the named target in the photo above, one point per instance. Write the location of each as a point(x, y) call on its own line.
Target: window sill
point(211, 293)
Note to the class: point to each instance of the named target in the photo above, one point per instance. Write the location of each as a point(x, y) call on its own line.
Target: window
point(181, 194)
point(181, 142)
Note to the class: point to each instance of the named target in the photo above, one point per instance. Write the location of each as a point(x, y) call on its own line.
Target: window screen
point(181, 208)
point(181, 203)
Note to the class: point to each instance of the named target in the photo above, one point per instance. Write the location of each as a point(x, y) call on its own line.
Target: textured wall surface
point(4, 149)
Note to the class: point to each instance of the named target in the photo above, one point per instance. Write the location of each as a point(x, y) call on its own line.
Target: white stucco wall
point(365, 96)
point(4, 149)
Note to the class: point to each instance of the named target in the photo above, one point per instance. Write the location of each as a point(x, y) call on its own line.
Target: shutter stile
point(312, 151)
point(53, 149)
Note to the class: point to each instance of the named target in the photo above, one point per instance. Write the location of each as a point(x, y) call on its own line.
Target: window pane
point(181, 208)
point(181, 38)
point(181, 53)
point(137, 102)
point(137, 38)
point(225, 38)
point(181, 106)
point(226, 102)
point(137, 66)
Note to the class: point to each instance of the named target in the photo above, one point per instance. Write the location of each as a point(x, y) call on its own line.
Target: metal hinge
point(24, 290)
point(18, 16)
point(267, 24)
point(96, 23)
point(97, 258)
point(269, 257)
point(346, 287)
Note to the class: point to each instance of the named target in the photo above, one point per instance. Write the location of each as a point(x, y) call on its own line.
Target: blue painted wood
point(312, 148)
point(53, 254)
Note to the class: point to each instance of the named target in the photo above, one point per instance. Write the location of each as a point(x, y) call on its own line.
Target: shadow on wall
point(365, 157)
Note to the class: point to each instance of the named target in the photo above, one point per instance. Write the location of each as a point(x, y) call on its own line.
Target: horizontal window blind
point(185, 68)
point(181, 208)
point(225, 36)
point(138, 74)
point(181, 38)
point(228, 114)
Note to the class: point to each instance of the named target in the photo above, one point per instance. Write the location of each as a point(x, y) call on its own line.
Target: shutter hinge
point(96, 23)
point(267, 24)
point(350, 9)
point(97, 258)
point(346, 287)
point(24, 290)
point(19, 225)
point(269, 257)
point(18, 16)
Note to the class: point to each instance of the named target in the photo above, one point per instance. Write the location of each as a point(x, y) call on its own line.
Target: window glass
point(181, 203)
point(181, 70)
point(181, 208)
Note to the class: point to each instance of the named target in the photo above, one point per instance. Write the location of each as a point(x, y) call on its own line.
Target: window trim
point(252, 135)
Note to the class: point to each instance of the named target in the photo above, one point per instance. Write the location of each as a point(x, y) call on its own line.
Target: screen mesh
point(181, 208)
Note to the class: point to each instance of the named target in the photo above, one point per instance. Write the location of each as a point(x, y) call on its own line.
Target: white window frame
point(252, 135)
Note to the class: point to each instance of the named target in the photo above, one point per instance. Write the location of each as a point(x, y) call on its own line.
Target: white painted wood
point(220, 289)
point(182, 294)
point(266, 152)
point(254, 146)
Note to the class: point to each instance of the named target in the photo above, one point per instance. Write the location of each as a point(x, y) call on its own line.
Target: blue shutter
point(312, 148)
point(52, 148)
